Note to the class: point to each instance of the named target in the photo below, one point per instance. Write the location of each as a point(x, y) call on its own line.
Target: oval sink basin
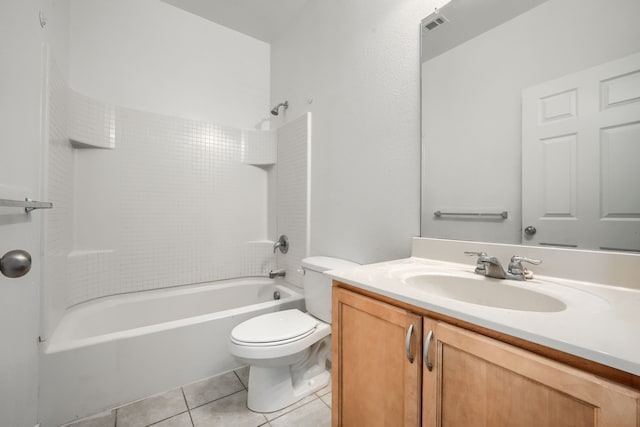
point(485, 291)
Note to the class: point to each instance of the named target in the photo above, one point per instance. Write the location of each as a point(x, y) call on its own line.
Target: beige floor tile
point(243, 373)
point(314, 414)
point(228, 411)
point(152, 410)
point(276, 414)
point(182, 420)
point(324, 390)
point(107, 419)
point(327, 399)
point(211, 389)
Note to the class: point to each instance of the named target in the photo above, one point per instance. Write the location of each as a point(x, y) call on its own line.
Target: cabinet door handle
point(427, 344)
point(407, 343)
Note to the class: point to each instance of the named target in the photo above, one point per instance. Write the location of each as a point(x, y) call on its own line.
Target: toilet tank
point(317, 286)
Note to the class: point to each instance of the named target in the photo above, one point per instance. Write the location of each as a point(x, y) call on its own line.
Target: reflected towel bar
point(503, 214)
point(27, 204)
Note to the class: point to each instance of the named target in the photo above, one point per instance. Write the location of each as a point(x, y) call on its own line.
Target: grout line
point(215, 400)
point(326, 404)
point(165, 419)
point(184, 396)
point(239, 379)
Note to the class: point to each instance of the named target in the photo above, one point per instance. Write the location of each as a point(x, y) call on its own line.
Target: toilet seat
point(278, 328)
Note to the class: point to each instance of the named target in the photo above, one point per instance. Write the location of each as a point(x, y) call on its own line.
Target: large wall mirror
point(531, 123)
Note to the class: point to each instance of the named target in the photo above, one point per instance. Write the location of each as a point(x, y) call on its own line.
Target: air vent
point(435, 22)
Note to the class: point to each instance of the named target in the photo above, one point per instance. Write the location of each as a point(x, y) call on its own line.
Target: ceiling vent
point(434, 23)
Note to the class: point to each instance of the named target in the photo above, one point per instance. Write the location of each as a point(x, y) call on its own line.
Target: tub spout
point(277, 273)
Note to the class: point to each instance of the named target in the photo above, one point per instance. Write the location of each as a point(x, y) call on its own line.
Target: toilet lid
point(278, 327)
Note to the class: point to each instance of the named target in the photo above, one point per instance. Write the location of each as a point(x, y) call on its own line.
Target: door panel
point(20, 165)
point(581, 145)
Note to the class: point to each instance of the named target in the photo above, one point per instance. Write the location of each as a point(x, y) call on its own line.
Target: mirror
point(531, 121)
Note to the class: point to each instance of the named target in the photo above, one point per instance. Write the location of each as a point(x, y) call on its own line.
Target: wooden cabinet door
point(477, 381)
point(374, 382)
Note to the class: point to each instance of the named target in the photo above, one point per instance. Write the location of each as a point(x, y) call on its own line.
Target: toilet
point(287, 350)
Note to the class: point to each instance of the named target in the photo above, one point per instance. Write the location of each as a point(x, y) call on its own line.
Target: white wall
point(472, 106)
point(355, 66)
point(150, 56)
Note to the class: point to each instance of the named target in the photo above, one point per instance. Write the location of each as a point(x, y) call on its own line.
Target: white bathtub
point(118, 349)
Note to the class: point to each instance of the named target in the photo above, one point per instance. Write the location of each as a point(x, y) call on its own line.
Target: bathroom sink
point(485, 291)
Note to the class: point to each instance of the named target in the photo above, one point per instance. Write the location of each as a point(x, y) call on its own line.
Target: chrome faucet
point(277, 273)
point(490, 266)
point(282, 244)
point(520, 272)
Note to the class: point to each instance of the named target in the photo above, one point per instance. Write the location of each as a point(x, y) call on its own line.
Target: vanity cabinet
point(374, 382)
point(474, 380)
point(478, 381)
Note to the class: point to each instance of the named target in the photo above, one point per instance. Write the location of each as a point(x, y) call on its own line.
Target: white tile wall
point(173, 202)
point(293, 183)
point(58, 230)
point(92, 123)
point(90, 273)
point(187, 204)
point(259, 147)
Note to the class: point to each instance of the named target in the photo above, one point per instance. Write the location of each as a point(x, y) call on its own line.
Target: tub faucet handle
point(282, 244)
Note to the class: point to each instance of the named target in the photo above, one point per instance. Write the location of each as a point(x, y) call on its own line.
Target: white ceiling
point(262, 19)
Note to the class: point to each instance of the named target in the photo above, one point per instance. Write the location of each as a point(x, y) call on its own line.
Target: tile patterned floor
point(215, 401)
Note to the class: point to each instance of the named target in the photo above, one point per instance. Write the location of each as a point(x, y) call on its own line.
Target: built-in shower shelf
point(81, 145)
point(92, 123)
point(259, 147)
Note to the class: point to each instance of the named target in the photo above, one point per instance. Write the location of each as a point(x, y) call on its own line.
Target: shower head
point(275, 109)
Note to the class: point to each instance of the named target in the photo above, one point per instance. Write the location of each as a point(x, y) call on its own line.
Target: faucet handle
point(282, 244)
point(519, 259)
point(480, 266)
point(515, 266)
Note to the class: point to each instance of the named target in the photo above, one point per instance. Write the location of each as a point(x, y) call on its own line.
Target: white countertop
point(601, 322)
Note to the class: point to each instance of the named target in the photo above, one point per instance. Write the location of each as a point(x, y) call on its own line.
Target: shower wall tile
point(259, 147)
point(171, 202)
point(258, 258)
point(293, 183)
point(58, 229)
point(90, 272)
point(92, 124)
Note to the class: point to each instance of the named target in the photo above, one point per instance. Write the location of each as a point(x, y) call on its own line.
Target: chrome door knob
point(530, 230)
point(15, 263)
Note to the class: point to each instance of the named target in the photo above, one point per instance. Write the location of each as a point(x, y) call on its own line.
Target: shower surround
point(146, 201)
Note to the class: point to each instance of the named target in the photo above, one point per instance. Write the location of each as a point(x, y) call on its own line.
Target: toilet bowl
point(287, 351)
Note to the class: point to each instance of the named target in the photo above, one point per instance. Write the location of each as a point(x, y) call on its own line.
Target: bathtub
point(118, 349)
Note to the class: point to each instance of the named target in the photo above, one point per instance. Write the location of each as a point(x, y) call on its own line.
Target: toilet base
point(274, 388)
